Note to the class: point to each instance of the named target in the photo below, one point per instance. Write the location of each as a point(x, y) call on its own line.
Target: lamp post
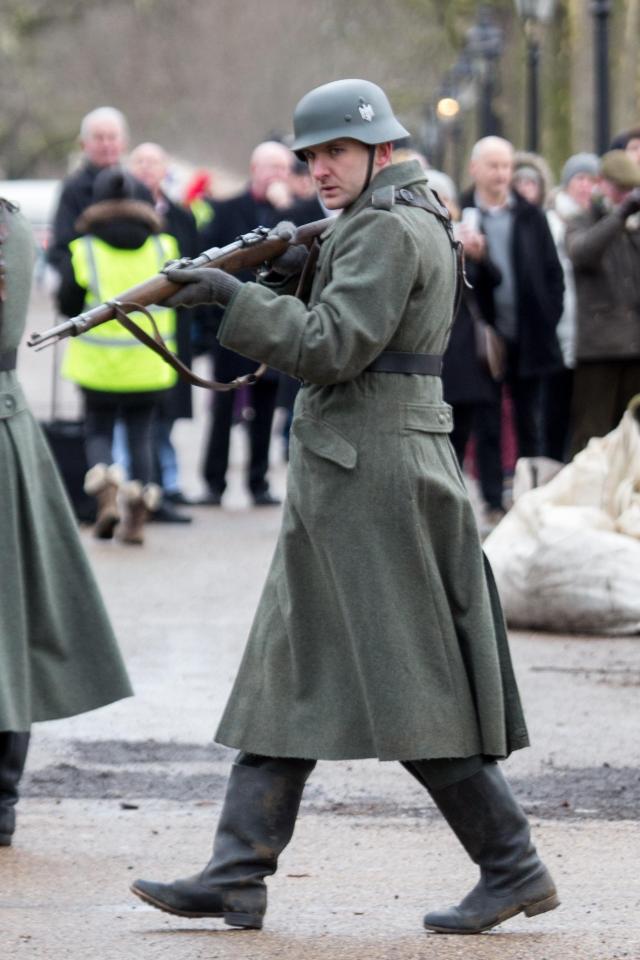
point(484, 47)
point(448, 112)
point(601, 10)
point(535, 14)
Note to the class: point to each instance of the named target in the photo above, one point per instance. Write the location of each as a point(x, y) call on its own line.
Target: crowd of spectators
point(543, 355)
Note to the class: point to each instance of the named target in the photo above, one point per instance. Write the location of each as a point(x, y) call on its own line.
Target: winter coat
point(76, 195)
point(465, 379)
point(58, 653)
point(539, 290)
point(379, 632)
point(605, 253)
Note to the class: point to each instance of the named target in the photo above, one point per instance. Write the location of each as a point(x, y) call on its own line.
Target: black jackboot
point(494, 831)
point(256, 823)
point(13, 756)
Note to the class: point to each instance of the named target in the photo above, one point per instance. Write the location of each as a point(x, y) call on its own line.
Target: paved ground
point(134, 789)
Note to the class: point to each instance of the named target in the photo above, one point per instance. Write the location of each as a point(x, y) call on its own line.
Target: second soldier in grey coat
point(379, 632)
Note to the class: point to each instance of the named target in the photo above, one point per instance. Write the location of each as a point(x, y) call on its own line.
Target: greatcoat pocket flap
point(325, 441)
point(429, 417)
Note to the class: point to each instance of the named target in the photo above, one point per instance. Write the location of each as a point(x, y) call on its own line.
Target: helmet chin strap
point(372, 156)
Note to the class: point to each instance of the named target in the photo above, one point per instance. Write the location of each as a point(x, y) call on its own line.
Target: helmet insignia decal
point(366, 111)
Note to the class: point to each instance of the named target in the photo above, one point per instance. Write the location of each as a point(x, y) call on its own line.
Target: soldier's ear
point(384, 152)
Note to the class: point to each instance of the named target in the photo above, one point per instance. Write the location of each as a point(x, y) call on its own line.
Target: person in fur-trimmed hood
point(121, 244)
point(532, 177)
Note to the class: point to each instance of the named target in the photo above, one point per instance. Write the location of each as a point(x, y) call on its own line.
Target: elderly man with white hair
point(524, 308)
point(103, 138)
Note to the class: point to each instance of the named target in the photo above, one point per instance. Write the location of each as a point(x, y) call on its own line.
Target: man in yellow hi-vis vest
point(122, 243)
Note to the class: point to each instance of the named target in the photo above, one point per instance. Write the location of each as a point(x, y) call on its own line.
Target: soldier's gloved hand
point(294, 257)
point(630, 204)
point(200, 285)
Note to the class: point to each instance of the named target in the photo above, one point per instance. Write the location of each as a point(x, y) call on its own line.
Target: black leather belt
point(8, 360)
point(390, 361)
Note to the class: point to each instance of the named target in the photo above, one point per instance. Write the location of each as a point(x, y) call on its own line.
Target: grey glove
point(294, 257)
point(630, 204)
point(201, 285)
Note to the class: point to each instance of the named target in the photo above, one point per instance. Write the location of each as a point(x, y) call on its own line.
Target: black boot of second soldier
point(494, 831)
point(256, 823)
point(13, 756)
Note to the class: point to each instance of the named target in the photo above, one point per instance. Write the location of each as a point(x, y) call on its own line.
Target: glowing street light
point(448, 108)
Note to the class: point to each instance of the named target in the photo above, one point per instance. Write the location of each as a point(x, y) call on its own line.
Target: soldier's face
point(339, 170)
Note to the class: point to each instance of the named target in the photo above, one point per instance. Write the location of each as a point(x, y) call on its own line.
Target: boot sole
point(529, 910)
point(231, 919)
point(5, 839)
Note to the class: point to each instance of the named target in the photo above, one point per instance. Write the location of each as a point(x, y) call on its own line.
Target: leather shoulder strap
point(384, 199)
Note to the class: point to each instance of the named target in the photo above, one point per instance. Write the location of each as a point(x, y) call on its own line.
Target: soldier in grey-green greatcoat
point(58, 654)
point(379, 632)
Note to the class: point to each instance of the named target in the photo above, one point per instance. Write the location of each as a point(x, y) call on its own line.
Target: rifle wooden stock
point(245, 253)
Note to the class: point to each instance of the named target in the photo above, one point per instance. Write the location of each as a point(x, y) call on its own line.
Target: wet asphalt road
point(134, 788)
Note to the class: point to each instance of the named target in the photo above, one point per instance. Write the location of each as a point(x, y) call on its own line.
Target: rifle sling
point(157, 344)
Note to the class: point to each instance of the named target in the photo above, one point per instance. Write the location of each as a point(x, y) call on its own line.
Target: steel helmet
point(345, 108)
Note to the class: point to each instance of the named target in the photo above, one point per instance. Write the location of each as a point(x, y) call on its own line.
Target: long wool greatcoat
point(379, 632)
point(58, 654)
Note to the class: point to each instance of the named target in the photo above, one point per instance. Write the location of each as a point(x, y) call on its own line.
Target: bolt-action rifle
point(249, 251)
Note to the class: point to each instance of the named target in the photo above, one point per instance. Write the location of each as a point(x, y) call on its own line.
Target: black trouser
point(526, 396)
point(216, 461)
point(526, 393)
point(557, 391)
point(136, 410)
point(432, 774)
point(469, 418)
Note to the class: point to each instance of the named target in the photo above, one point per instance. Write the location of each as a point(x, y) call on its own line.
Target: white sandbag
point(574, 581)
point(567, 556)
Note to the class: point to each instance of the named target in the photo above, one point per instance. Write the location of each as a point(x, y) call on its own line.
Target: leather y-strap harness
point(427, 364)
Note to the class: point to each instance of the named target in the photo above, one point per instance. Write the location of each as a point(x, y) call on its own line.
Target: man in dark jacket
point(527, 304)
point(103, 138)
point(604, 247)
point(266, 200)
